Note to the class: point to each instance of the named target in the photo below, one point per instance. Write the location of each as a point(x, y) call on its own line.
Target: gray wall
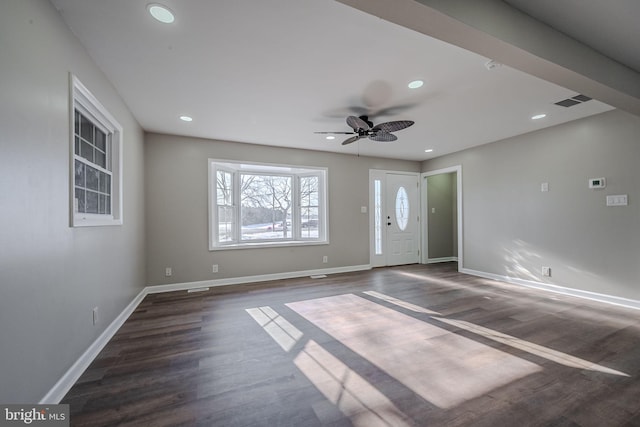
point(51, 275)
point(442, 224)
point(177, 200)
point(512, 228)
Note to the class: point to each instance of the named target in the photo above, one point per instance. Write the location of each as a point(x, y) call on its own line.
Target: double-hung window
point(96, 140)
point(266, 205)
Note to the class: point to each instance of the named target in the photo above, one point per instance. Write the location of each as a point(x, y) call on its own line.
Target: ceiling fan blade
point(337, 133)
point(356, 123)
point(350, 140)
point(393, 126)
point(382, 136)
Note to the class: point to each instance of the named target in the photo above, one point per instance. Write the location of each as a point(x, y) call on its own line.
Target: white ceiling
point(273, 72)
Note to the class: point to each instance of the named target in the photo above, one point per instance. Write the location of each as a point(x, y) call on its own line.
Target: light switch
point(617, 200)
point(363, 209)
point(544, 187)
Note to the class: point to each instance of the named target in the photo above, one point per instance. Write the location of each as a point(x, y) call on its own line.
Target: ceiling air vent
point(570, 102)
point(581, 98)
point(567, 102)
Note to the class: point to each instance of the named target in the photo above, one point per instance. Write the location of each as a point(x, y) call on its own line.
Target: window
point(266, 205)
point(377, 216)
point(225, 205)
point(309, 206)
point(96, 140)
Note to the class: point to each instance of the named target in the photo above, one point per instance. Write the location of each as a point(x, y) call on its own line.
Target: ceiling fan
point(363, 128)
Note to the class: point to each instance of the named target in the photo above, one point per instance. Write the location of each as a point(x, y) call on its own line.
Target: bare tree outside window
point(309, 206)
point(226, 211)
point(266, 201)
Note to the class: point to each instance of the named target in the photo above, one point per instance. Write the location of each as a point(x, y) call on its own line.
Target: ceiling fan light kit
point(364, 128)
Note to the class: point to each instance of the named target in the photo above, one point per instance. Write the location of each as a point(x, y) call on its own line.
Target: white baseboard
point(64, 384)
point(594, 296)
point(444, 259)
point(253, 279)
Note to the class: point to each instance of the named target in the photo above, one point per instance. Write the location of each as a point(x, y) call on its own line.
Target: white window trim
point(80, 97)
point(262, 169)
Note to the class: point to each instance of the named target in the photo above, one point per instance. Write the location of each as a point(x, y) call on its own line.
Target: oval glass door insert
point(402, 208)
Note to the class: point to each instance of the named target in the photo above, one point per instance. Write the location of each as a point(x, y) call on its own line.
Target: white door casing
point(394, 218)
point(425, 213)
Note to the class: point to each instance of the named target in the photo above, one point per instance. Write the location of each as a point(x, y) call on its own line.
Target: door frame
point(376, 260)
point(424, 259)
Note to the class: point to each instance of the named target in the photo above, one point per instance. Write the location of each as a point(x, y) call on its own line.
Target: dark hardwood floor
point(405, 346)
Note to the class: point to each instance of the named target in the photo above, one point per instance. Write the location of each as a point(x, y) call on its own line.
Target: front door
point(402, 219)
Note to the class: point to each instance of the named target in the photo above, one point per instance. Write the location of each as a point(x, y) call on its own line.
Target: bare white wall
point(511, 228)
point(51, 275)
point(177, 208)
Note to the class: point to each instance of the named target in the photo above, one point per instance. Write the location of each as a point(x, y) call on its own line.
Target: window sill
point(94, 221)
point(251, 245)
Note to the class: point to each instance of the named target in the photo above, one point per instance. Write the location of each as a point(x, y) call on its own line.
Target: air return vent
point(567, 102)
point(582, 98)
point(575, 100)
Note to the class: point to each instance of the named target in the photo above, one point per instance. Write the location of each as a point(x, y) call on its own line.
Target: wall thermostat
point(597, 183)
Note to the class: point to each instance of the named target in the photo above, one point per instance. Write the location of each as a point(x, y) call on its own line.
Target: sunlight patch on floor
point(401, 303)
point(353, 395)
point(431, 279)
point(529, 347)
point(440, 366)
point(279, 328)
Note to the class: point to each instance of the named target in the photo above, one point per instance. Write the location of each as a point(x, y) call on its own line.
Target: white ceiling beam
point(498, 31)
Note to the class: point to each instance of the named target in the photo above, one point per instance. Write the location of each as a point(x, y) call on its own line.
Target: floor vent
point(318, 276)
point(575, 100)
point(197, 290)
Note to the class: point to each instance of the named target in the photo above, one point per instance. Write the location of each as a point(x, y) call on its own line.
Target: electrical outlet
point(546, 271)
point(214, 268)
point(325, 259)
point(168, 272)
point(95, 315)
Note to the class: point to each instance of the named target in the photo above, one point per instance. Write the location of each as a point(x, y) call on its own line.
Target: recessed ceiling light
point(415, 84)
point(186, 118)
point(161, 13)
point(428, 150)
point(331, 137)
point(538, 116)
